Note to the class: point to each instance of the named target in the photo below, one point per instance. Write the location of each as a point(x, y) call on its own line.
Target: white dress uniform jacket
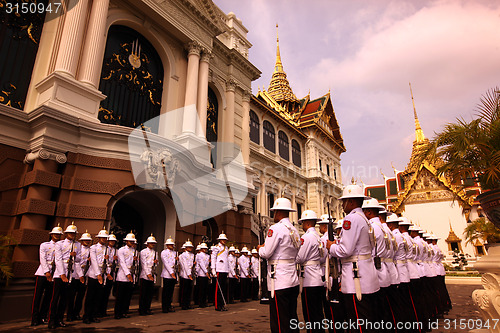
point(391, 266)
point(62, 254)
point(382, 250)
point(148, 257)
point(186, 262)
point(202, 262)
point(311, 257)
point(168, 259)
point(355, 242)
point(244, 263)
point(255, 267)
point(219, 258)
point(400, 256)
point(280, 251)
point(232, 262)
point(438, 257)
point(411, 256)
point(97, 252)
point(47, 255)
point(84, 261)
point(125, 262)
point(111, 257)
point(420, 255)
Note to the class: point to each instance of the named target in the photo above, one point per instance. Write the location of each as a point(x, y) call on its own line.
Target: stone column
point(245, 128)
point(95, 43)
point(203, 93)
point(228, 132)
point(190, 114)
point(72, 37)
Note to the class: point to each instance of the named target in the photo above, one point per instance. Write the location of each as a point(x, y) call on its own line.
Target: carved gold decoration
point(7, 96)
point(135, 57)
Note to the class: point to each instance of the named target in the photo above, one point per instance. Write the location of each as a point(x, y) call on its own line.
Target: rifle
point(153, 268)
point(264, 291)
point(71, 262)
point(113, 268)
point(332, 292)
point(104, 267)
point(194, 275)
point(86, 268)
point(135, 268)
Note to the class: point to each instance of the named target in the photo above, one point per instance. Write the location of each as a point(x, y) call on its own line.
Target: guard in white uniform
point(109, 280)
point(220, 269)
point(232, 276)
point(203, 275)
point(169, 275)
point(244, 270)
point(127, 258)
point(280, 249)
point(310, 258)
point(77, 289)
point(441, 285)
point(254, 270)
point(44, 278)
point(63, 274)
point(95, 277)
point(149, 262)
point(186, 262)
point(359, 275)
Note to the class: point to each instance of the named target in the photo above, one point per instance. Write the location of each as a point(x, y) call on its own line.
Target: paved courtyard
point(241, 317)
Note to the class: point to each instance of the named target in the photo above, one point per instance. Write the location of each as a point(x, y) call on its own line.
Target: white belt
point(401, 261)
point(311, 262)
point(356, 258)
point(281, 261)
point(419, 261)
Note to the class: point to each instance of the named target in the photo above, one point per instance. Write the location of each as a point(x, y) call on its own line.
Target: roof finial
point(279, 66)
point(419, 134)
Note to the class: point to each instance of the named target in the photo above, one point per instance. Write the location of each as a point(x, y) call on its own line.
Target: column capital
point(193, 47)
point(45, 154)
point(231, 85)
point(206, 55)
point(246, 96)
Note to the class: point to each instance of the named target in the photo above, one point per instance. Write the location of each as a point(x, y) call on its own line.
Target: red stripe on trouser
point(392, 313)
point(216, 286)
point(333, 319)
point(52, 299)
point(356, 310)
point(34, 295)
point(307, 307)
point(415, 311)
point(277, 312)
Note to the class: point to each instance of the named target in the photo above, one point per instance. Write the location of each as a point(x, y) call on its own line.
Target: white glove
point(214, 274)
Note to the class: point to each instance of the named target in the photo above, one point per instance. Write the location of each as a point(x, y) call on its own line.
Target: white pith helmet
point(244, 249)
point(198, 247)
point(236, 251)
point(340, 223)
point(112, 237)
point(103, 234)
point(56, 230)
point(309, 215)
point(203, 246)
point(222, 236)
point(283, 204)
point(324, 219)
point(404, 221)
point(232, 249)
point(392, 218)
point(372, 203)
point(130, 238)
point(71, 228)
point(86, 236)
point(254, 251)
point(413, 228)
point(353, 191)
point(169, 241)
point(151, 239)
point(188, 244)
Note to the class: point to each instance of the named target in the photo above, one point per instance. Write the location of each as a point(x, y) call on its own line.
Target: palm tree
point(7, 245)
point(470, 149)
point(483, 230)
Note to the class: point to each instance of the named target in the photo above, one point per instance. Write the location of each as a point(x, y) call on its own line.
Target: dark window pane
point(283, 145)
point(269, 136)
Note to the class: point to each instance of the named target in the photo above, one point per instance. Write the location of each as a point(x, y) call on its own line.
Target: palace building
point(138, 115)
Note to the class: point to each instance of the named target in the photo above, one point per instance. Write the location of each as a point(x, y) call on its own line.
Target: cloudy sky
point(367, 52)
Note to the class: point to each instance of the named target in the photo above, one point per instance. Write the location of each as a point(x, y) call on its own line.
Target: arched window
point(296, 156)
point(19, 39)
point(269, 135)
point(212, 121)
point(131, 78)
point(254, 127)
point(283, 145)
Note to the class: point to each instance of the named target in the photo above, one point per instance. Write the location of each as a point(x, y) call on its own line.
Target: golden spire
point(419, 134)
point(279, 87)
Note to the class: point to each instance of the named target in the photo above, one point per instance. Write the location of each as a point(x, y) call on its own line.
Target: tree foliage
point(483, 230)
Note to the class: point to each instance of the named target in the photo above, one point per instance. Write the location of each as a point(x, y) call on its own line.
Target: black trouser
point(185, 292)
point(123, 295)
point(417, 296)
point(221, 285)
point(283, 308)
point(334, 312)
point(58, 301)
point(94, 293)
point(211, 291)
point(400, 303)
point(166, 294)
point(202, 283)
point(255, 289)
point(76, 293)
point(245, 289)
point(196, 290)
point(231, 289)
point(360, 310)
point(146, 292)
point(104, 299)
point(312, 307)
point(43, 290)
